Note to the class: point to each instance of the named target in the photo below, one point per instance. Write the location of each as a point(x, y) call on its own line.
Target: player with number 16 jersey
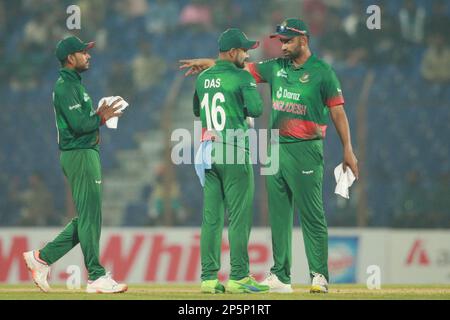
point(225, 95)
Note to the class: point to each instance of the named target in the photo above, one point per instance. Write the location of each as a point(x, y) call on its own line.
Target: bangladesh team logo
point(304, 78)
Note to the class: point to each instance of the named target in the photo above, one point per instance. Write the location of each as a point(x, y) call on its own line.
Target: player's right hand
point(351, 162)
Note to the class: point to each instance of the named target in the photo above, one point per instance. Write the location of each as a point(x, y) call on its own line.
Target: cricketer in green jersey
point(305, 92)
point(225, 95)
point(78, 138)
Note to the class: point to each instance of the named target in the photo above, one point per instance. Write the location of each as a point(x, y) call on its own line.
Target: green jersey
point(300, 96)
point(224, 96)
point(76, 120)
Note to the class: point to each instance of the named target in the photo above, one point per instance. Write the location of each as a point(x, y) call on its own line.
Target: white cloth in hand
point(250, 121)
point(112, 122)
point(344, 180)
point(203, 160)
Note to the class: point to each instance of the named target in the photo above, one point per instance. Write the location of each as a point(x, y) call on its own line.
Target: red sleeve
point(335, 101)
point(254, 72)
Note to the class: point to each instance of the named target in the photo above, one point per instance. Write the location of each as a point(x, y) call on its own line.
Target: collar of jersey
point(70, 74)
point(221, 62)
point(307, 63)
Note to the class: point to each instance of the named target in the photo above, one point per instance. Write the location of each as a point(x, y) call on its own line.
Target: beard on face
point(81, 67)
point(240, 63)
point(293, 54)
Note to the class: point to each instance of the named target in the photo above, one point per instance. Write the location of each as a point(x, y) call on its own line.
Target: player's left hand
point(350, 161)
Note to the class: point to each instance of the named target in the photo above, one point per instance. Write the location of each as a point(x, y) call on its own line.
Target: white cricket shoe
point(319, 284)
point(105, 284)
point(275, 285)
point(40, 271)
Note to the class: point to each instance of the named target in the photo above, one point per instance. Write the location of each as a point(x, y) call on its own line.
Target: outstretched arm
point(196, 65)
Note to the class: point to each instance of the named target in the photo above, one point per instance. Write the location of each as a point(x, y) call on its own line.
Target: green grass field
point(191, 292)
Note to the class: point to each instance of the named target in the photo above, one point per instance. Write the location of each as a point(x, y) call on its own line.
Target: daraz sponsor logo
point(284, 93)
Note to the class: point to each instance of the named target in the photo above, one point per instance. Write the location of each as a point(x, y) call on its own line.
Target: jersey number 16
point(213, 115)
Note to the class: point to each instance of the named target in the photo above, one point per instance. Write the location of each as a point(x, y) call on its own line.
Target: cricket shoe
point(212, 286)
point(105, 284)
point(40, 270)
point(319, 284)
point(246, 285)
point(276, 286)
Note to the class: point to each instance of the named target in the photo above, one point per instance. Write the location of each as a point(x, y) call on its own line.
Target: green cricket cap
point(291, 28)
point(71, 45)
point(235, 38)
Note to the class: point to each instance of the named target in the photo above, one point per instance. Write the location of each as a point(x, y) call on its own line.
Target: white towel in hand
point(344, 180)
point(250, 121)
point(203, 160)
point(112, 122)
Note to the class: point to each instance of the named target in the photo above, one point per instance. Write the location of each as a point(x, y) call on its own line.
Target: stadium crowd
point(138, 45)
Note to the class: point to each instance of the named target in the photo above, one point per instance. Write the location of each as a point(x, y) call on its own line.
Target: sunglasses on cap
point(282, 29)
